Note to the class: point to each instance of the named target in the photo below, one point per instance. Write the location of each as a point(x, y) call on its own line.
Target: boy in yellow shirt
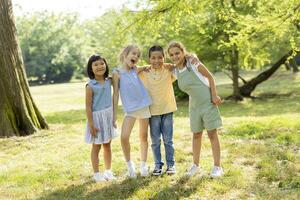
point(158, 81)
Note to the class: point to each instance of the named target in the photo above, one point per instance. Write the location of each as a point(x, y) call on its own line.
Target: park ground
point(260, 144)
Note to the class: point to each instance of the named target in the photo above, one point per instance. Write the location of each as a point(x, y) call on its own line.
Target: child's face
point(176, 55)
point(132, 58)
point(99, 67)
point(156, 59)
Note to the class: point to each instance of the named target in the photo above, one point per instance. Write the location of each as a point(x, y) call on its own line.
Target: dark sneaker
point(157, 171)
point(171, 170)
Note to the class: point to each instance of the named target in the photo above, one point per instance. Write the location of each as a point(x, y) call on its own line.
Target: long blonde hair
point(126, 51)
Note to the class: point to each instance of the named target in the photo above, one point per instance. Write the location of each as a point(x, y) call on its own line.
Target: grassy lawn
point(260, 144)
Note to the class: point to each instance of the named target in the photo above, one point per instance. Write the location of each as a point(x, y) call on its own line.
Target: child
point(199, 84)
point(158, 81)
point(136, 101)
point(100, 128)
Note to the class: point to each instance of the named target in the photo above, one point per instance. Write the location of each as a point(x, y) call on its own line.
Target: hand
point(169, 66)
point(194, 59)
point(147, 68)
point(93, 130)
point(216, 100)
point(114, 124)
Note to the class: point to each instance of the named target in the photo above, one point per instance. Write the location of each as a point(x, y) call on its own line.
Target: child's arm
point(115, 82)
point(169, 66)
point(193, 59)
point(205, 72)
point(143, 68)
point(88, 109)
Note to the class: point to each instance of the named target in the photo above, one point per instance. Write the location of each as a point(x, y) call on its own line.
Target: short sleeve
point(199, 75)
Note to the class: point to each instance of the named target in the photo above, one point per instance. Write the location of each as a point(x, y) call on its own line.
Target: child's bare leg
point(95, 157)
point(127, 126)
point(144, 138)
point(215, 145)
point(197, 139)
point(107, 155)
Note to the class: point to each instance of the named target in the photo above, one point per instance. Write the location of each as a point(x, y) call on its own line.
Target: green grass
point(260, 150)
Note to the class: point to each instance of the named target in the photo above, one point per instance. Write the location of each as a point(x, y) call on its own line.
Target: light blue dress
point(102, 113)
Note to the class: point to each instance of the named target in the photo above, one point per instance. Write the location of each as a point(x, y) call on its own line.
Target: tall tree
point(229, 34)
point(19, 115)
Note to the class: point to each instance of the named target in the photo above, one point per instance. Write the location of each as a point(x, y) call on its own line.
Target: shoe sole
point(144, 175)
point(157, 174)
point(170, 173)
point(211, 176)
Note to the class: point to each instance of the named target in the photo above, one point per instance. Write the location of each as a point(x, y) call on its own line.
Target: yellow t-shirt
point(158, 83)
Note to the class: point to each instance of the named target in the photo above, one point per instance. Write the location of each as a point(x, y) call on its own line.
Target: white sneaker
point(98, 177)
point(108, 175)
point(131, 169)
point(216, 172)
point(193, 170)
point(171, 170)
point(144, 170)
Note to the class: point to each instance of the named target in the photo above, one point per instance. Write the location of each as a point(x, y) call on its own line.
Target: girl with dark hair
point(100, 129)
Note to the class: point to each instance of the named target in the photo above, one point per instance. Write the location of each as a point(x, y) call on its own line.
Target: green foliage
point(243, 34)
point(212, 28)
point(52, 46)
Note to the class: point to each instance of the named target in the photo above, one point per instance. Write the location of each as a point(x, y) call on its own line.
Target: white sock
point(129, 163)
point(97, 173)
point(143, 164)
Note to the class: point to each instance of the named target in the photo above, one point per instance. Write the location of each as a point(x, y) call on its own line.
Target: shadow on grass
point(122, 190)
point(182, 188)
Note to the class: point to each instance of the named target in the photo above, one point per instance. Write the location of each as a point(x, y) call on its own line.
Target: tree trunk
point(234, 60)
point(294, 65)
point(250, 86)
point(287, 66)
point(19, 115)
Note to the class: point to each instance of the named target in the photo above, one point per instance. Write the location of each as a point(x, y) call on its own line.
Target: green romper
point(203, 114)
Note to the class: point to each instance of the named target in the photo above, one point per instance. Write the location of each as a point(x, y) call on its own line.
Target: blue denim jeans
point(162, 125)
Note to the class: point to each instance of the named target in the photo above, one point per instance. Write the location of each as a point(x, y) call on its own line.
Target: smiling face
point(176, 56)
point(156, 59)
point(132, 58)
point(99, 67)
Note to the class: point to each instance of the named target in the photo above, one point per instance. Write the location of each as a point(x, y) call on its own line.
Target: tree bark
point(250, 86)
point(287, 66)
point(19, 115)
point(234, 59)
point(294, 65)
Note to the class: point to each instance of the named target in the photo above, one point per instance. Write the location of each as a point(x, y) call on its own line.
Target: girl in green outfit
point(199, 84)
